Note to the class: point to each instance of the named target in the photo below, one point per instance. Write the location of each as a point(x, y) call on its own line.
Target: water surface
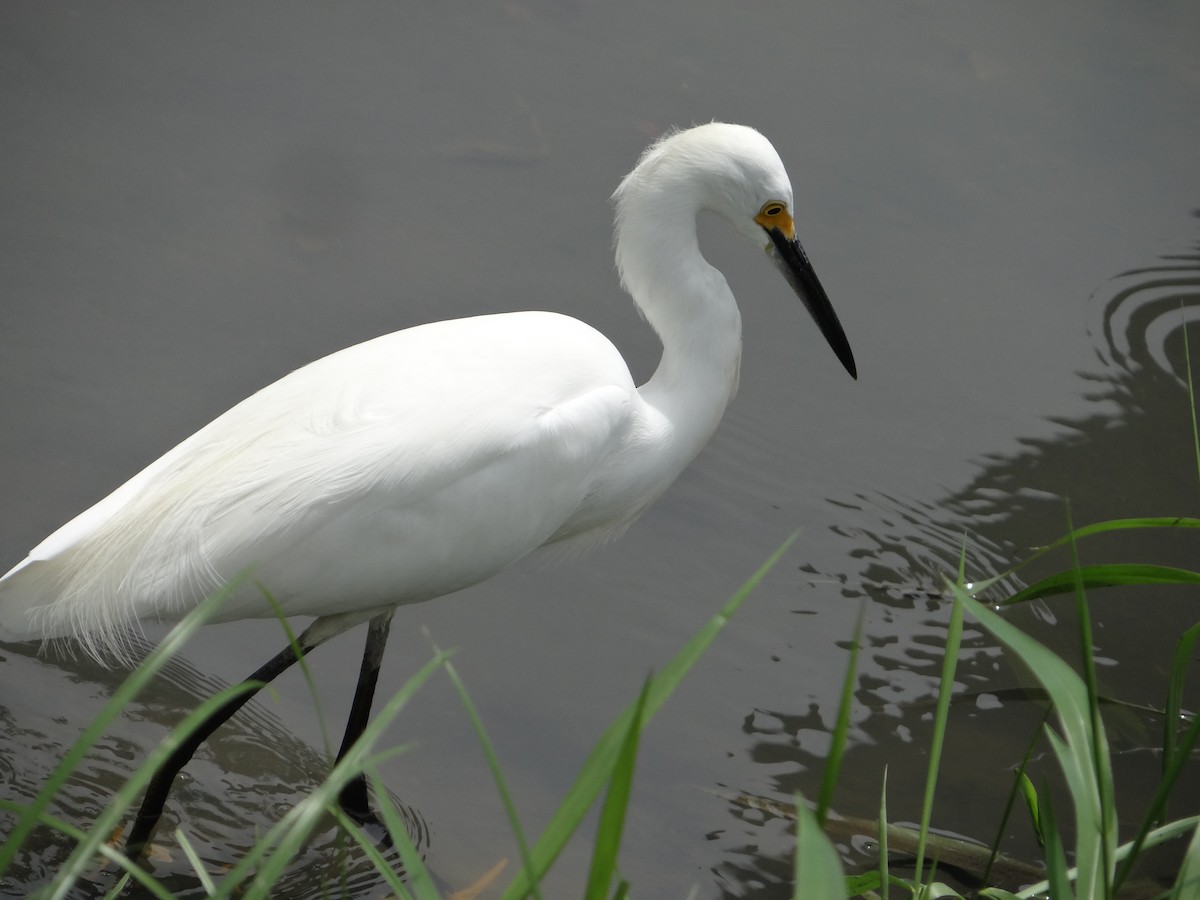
point(1000, 202)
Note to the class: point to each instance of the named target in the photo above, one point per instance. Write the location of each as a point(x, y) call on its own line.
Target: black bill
point(793, 262)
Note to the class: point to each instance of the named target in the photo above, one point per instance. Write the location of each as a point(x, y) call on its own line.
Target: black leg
point(160, 785)
point(353, 798)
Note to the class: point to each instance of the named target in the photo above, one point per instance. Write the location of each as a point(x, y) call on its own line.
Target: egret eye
point(774, 215)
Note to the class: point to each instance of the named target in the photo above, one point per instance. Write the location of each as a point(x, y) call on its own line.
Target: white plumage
point(424, 461)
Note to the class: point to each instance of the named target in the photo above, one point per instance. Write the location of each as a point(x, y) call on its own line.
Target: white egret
point(427, 460)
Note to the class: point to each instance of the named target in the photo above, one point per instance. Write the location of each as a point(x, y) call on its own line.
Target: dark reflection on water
point(1142, 323)
point(1132, 455)
point(242, 781)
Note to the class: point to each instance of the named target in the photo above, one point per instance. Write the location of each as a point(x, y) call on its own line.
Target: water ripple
point(243, 780)
point(1146, 311)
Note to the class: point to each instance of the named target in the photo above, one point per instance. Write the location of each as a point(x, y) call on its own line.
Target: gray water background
point(196, 199)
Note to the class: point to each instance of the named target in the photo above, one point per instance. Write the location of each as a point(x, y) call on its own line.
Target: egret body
point(418, 463)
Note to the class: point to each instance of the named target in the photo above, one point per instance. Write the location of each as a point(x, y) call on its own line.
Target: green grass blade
point(277, 849)
point(945, 692)
point(1077, 534)
point(1090, 784)
point(420, 881)
point(1187, 883)
point(271, 855)
point(616, 802)
point(310, 683)
point(597, 768)
point(938, 890)
point(106, 823)
point(1100, 771)
point(1059, 876)
point(1021, 786)
point(493, 762)
point(1101, 576)
point(1131, 524)
point(110, 854)
point(1162, 794)
point(866, 884)
point(1180, 663)
point(883, 840)
point(394, 881)
point(1029, 793)
point(833, 763)
point(818, 870)
point(196, 862)
point(1160, 835)
point(121, 698)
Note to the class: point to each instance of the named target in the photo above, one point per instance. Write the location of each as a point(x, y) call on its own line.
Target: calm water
point(1000, 202)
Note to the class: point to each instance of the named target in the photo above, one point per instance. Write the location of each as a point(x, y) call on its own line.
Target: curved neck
point(689, 305)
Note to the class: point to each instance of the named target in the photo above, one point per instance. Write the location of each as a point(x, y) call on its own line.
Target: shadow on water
point(242, 781)
point(1131, 454)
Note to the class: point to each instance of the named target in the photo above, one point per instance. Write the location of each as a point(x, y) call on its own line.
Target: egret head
point(733, 171)
point(744, 181)
point(730, 170)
